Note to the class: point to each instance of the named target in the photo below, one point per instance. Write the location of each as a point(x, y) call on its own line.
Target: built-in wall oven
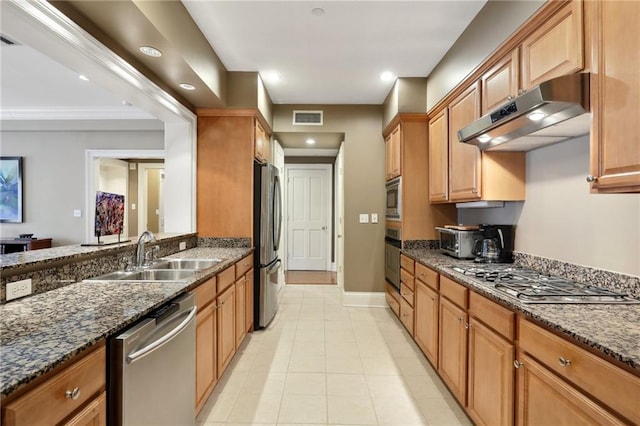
point(394, 197)
point(392, 245)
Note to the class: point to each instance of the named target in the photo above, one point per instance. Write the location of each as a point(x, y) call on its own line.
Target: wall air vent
point(307, 118)
point(6, 41)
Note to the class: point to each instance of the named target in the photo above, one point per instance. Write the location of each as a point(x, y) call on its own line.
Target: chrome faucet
point(146, 236)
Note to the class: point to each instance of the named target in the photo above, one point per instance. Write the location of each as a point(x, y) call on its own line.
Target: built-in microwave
point(394, 199)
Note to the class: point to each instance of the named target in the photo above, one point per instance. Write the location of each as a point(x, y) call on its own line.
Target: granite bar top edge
point(47, 354)
point(576, 322)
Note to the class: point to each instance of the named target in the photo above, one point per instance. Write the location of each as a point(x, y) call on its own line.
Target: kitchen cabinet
point(224, 184)
point(452, 356)
point(491, 372)
point(407, 288)
point(571, 367)
point(76, 393)
point(241, 300)
point(249, 303)
point(226, 343)
point(464, 159)
point(615, 96)
point(439, 157)
point(262, 143)
point(206, 375)
point(393, 154)
point(556, 47)
point(419, 218)
point(393, 299)
point(426, 321)
point(501, 83)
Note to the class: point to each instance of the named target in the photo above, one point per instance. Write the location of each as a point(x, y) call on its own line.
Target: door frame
point(328, 209)
point(339, 218)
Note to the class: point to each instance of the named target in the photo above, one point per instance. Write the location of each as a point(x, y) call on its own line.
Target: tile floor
point(325, 364)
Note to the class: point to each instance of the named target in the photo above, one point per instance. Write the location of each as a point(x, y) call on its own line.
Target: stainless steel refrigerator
point(267, 228)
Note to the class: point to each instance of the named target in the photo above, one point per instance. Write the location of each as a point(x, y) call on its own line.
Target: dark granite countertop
point(612, 330)
point(40, 332)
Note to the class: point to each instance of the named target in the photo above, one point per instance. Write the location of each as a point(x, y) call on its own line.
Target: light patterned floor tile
point(306, 384)
point(351, 409)
point(303, 409)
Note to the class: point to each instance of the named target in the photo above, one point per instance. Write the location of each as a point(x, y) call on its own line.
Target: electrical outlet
point(18, 289)
point(374, 217)
point(77, 213)
point(182, 245)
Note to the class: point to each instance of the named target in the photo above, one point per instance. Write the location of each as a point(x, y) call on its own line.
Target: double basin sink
point(161, 270)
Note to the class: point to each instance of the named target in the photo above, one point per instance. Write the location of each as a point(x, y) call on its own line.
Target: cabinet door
point(452, 357)
point(439, 157)
point(94, 414)
point(396, 143)
point(615, 97)
point(464, 159)
point(501, 83)
point(406, 315)
point(545, 399)
point(426, 327)
point(206, 376)
point(491, 376)
point(556, 48)
point(248, 313)
point(260, 143)
point(240, 309)
point(388, 160)
point(226, 342)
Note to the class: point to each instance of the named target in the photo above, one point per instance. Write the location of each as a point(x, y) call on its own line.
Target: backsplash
point(623, 283)
point(50, 269)
point(421, 244)
point(224, 242)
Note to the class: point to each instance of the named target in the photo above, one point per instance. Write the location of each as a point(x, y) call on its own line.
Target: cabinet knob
point(509, 98)
point(459, 319)
point(591, 178)
point(467, 325)
point(564, 362)
point(73, 394)
point(517, 364)
point(521, 91)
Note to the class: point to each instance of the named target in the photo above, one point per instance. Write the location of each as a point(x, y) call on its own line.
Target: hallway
point(322, 363)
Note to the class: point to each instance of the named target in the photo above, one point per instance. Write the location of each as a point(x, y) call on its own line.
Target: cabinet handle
point(521, 91)
point(591, 179)
point(467, 325)
point(74, 394)
point(459, 319)
point(518, 364)
point(564, 362)
point(509, 98)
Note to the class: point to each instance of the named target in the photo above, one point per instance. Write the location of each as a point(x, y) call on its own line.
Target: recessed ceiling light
point(310, 141)
point(386, 76)
point(272, 76)
point(187, 86)
point(536, 116)
point(83, 77)
point(151, 51)
point(317, 11)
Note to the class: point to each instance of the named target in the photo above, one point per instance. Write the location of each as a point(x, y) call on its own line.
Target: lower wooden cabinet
point(94, 414)
point(452, 356)
point(226, 342)
point(241, 301)
point(206, 364)
point(406, 315)
point(426, 321)
point(248, 313)
point(545, 399)
point(490, 397)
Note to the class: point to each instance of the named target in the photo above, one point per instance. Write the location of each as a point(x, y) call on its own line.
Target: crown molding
point(71, 113)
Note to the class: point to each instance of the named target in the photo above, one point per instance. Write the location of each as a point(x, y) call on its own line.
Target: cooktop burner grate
point(529, 286)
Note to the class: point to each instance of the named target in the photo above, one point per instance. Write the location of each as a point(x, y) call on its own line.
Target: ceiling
point(336, 57)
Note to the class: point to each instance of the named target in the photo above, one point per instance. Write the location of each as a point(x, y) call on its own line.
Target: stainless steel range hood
point(556, 110)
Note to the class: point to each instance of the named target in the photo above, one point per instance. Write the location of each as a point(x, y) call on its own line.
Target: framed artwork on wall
point(11, 189)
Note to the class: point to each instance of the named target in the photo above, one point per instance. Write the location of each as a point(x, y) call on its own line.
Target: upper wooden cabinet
point(615, 96)
point(555, 48)
point(501, 83)
point(393, 154)
point(464, 159)
point(262, 144)
point(439, 157)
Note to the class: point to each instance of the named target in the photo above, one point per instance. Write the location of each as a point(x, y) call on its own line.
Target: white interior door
point(340, 216)
point(308, 217)
point(278, 161)
point(150, 197)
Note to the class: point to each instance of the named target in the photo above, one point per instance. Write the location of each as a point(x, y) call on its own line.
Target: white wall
point(561, 219)
point(54, 177)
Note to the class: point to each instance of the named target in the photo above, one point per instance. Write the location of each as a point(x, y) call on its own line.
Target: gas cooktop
point(529, 286)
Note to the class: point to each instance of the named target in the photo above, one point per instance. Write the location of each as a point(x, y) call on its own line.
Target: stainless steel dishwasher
point(152, 368)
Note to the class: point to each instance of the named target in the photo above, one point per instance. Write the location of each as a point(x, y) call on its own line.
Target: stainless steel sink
point(193, 264)
point(147, 275)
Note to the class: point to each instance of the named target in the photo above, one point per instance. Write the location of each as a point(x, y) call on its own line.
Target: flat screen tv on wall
point(109, 216)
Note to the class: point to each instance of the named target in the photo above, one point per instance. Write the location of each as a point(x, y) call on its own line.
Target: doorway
point(309, 217)
point(150, 197)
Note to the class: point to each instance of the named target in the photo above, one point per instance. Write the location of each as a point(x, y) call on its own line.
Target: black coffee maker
point(495, 244)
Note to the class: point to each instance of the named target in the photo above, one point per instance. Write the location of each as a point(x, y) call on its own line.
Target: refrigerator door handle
point(277, 213)
point(274, 267)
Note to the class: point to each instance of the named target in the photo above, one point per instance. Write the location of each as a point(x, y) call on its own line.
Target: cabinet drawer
point(243, 266)
point(393, 304)
point(427, 276)
point(407, 263)
point(453, 291)
point(225, 278)
point(407, 279)
point(406, 315)
point(49, 404)
point(407, 294)
point(610, 384)
point(495, 316)
point(205, 293)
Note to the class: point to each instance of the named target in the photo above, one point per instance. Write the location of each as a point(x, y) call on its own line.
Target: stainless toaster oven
point(458, 242)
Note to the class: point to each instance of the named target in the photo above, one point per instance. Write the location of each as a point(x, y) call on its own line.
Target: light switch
point(364, 218)
point(374, 217)
point(77, 213)
point(133, 206)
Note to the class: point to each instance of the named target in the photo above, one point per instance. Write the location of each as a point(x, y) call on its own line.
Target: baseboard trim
point(364, 299)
